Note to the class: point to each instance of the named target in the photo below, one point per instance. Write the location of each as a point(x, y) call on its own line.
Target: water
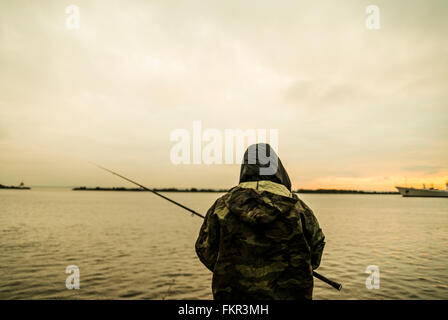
point(131, 245)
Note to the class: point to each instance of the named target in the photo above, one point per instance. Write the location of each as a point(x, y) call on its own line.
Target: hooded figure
point(258, 158)
point(260, 240)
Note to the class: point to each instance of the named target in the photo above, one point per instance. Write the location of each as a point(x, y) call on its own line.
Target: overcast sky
point(355, 108)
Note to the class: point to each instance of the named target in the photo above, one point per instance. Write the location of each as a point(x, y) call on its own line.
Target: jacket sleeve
point(313, 234)
point(207, 244)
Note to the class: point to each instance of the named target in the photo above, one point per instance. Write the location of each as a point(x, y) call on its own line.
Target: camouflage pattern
point(261, 242)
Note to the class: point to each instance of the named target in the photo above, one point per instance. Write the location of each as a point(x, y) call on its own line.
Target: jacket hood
point(260, 162)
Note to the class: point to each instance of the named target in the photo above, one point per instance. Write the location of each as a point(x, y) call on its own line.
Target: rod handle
point(332, 283)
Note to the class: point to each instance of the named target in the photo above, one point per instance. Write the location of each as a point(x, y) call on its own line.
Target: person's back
point(260, 241)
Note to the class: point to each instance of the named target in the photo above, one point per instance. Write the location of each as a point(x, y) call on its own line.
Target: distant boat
point(414, 192)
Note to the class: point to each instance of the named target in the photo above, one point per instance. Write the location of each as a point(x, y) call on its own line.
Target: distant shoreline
point(14, 187)
point(337, 191)
point(318, 191)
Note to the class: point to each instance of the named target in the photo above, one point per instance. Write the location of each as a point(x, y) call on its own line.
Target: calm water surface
point(131, 245)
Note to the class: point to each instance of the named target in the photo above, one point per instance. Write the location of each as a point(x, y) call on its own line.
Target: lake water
point(134, 245)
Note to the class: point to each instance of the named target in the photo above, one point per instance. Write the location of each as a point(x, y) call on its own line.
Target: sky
point(355, 108)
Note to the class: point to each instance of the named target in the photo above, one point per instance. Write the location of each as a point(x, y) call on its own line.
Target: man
point(260, 240)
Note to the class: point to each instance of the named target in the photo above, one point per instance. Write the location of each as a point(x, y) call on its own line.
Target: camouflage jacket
point(261, 242)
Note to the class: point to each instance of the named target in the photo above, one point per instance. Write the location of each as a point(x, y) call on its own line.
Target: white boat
point(414, 192)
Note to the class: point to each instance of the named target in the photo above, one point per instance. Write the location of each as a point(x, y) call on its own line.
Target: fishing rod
point(153, 191)
point(332, 283)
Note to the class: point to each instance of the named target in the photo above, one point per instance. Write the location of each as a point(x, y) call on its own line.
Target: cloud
point(426, 169)
point(324, 93)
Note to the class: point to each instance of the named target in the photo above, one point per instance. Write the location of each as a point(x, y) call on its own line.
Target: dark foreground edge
point(189, 309)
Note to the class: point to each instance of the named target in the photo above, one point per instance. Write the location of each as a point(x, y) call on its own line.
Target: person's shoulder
point(222, 199)
point(219, 207)
point(301, 204)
